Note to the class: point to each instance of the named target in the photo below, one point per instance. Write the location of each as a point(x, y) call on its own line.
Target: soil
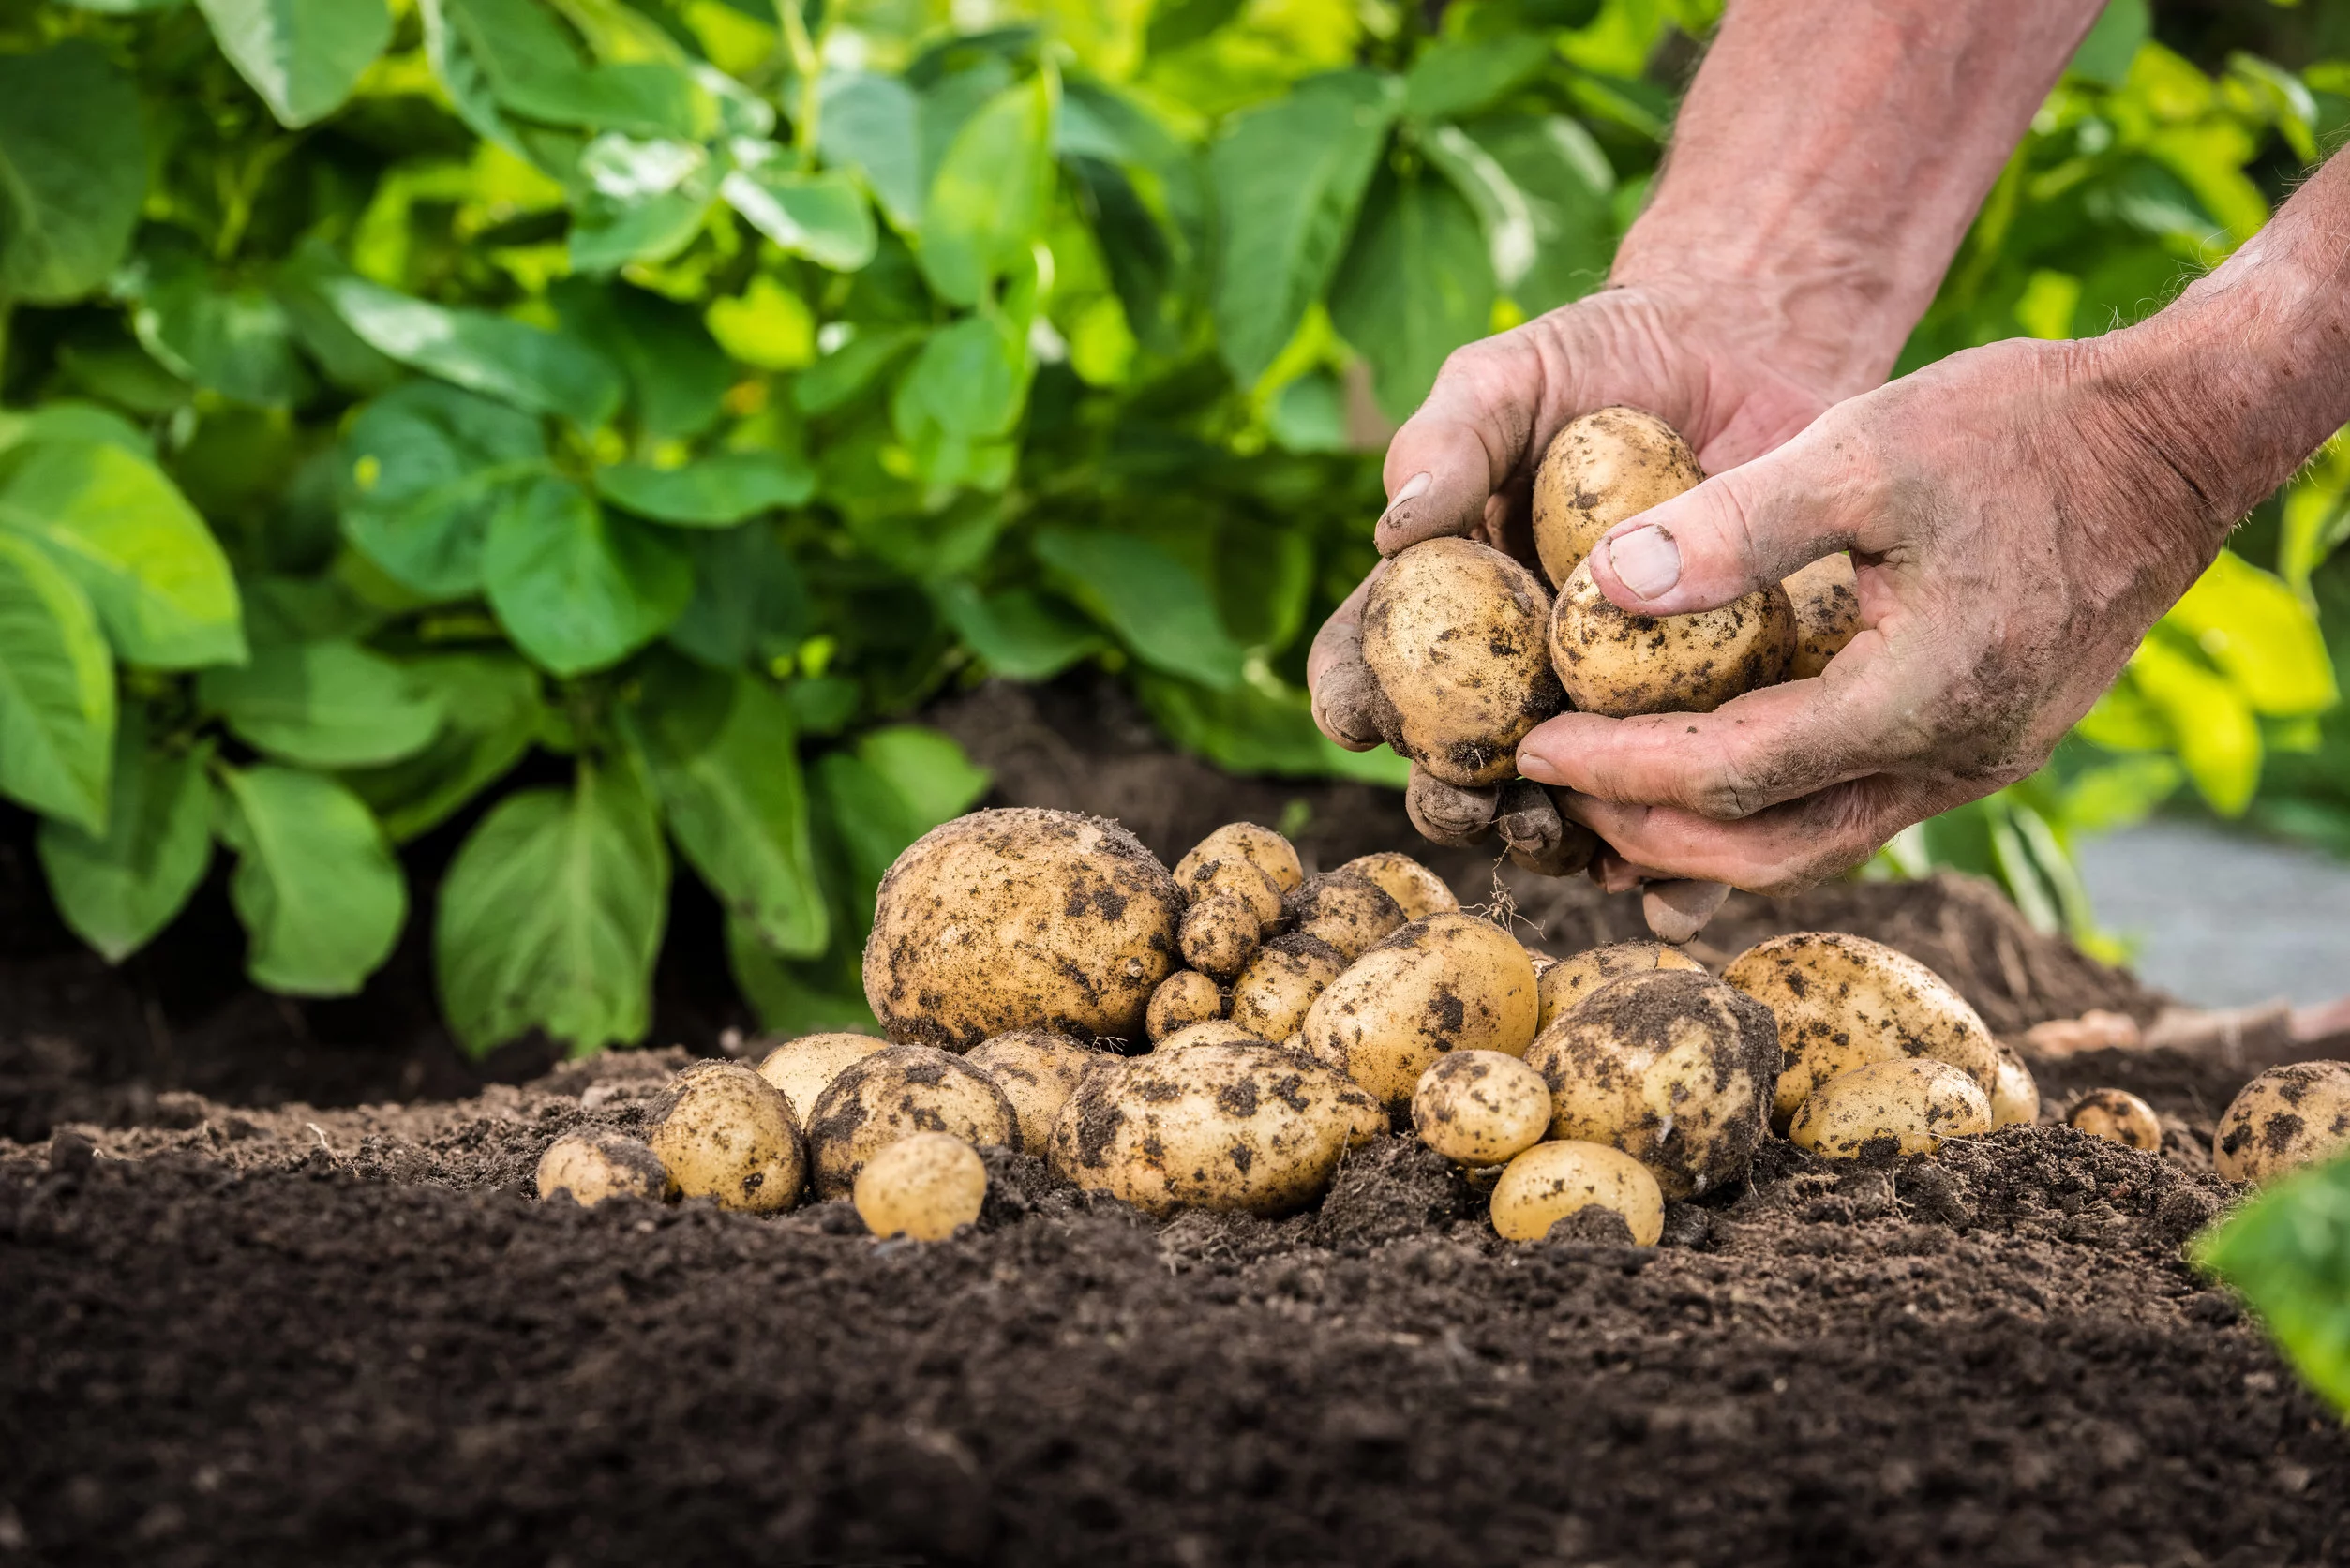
point(260, 1309)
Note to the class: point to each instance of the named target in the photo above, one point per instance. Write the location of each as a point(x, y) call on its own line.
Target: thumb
point(1463, 445)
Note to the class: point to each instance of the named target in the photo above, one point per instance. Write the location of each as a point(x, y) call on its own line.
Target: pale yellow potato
point(1244, 1127)
point(724, 1132)
point(1453, 631)
point(1551, 1181)
point(895, 1094)
point(1826, 598)
point(1183, 998)
point(1844, 1002)
point(1006, 918)
point(1038, 1070)
point(801, 1068)
point(1350, 913)
point(1261, 847)
point(1271, 996)
point(1219, 933)
point(1915, 1101)
point(1216, 1031)
point(1613, 662)
point(1608, 465)
point(1235, 878)
point(1566, 981)
point(2014, 1094)
point(1480, 1107)
point(925, 1187)
point(2118, 1116)
point(2289, 1116)
point(590, 1165)
point(1675, 1068)
point(1418, 891)
point(1450, 982)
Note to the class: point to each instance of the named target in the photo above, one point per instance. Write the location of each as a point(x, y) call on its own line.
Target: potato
point(1006, 918)
point(2116, 1115)
point(1566, 981)
point(1826, 598)
point(1271, 996)
point(1216, 1031)
point(1183, 998)
point(1914, 1101)
point(1261, 847)
point(1551, 1181)
point(1219, 933)
point(1243, 1128)
point(590, 1165)
point(1453, 631)
point(2015, 1095)
point(1450, 982)
point(1675, 1068)
point(1613, 662)
point(2288, 1117)
point(1350, 914)
point(1599, 470)
point(1843, 1002)
point(895, 1094)
point(801, 1068)
point(1480, 1107)
point(1038, 1070)
point(722, 1131)
point(925, 1187)
point(1417, 890)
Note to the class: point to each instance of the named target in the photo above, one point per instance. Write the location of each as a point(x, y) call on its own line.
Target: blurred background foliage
point(593, 429)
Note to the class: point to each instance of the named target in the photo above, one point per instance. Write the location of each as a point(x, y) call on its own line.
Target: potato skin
point(1038, 1070)
point(1826, 598)
point(1348, 913)
point(1453, 631)
point(725, 1133)
point(1844, 1001)
point(1611, 464)
point(1565, 982)
point(1480, 1108)
point(1183, 998)
point(2014, 1093)
point(1417, 890)
point(1271, 996)
point(1216, 1031)
point(2118, 1116)
point(1551, 1181)
point(1613, 662)
point(1915, 1102)
point(1219, 933)
point(1261, 847)
point(592, 1165)
point(1450, 982)
point(1244, 1127)
point(893, 1094)
point(1006, 918)
point(801, 1068)
point(2289, 1116)
point(925, 1187)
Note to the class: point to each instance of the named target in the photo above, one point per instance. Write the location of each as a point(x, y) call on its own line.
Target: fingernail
point(1413, 488)
point(1534, 766)
point(1647, 560)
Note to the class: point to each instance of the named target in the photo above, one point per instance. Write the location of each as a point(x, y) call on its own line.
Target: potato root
point(1826, 599)
point(801, 1068)
point(1038, 1070)
point(1418, 891)
point(925, 1187)
point(1607, 466)
point(1565, 982)
point(727, 1134)
point(1914, 1103)
point(1450, 982)
point(592, 1165)
point(1480, 1108)
point(2118, 1116)
point(1348, 913)
point(1271, 996)
point(1613, 662)
point(1183, 998)
point(2288, 1117)
point(1551, 1180)
point(895, 1094)
point(1453, 633)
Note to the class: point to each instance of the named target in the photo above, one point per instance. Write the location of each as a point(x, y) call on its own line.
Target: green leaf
point(550, 916)
point(677, 377)
point(847, 370)
point(2287, 1253)
point(1251, 731)
point(1289, 179)
point(749, 601)
point(1563, 184)
point(2217, 737)
point(2105, 55)
point(2249, 623)
point(1503, 210)
point(56, 691)
point(528, 366)
point(1155, 603)
point(643, 202)
point(1174, 24)
point(73, 172)
point(235, 340)
point(930, 772)
point(321, 899)
point(117, 888)
point(1416, 285)
point(989, 197)
point(1022, 634)
point(716, 490)
point(1455, 76)
point(490, 710)
point(347, 361)
point(302, 56)
point(423, 471)
point(795, 998)
point(821, 217)
point(970, 381)
point(874, 125)
point(636, 97)
point(323, 704)
point(482, 49)
point(109, 517)
point(575, 587)
point(65, 419)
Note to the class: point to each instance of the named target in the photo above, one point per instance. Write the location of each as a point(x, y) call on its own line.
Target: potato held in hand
point(725, 1133)
point(1608, 465)
point(895, 1094)
point(1453, 633)
point(1613, 662)
point(1913, 1104)
point(2289, 1116)
point(926, 1186)
point(1826, 598)
point(1450, 982)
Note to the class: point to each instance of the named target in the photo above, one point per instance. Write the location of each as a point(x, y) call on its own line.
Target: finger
point(1784, 850)
point(1447, 813)
point(1539, 839)
point(1463, 444)
point(1347, 703)
point(1676, 911)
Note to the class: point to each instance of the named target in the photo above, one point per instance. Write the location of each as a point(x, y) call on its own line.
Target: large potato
point(1261, 847)
point(2288, 1117)
point(1675, 1068)
point(1565, 982)
point(725, 1133)
point(925, 1187)
point(1350, 913)
point(1599, 470)
point(1480, 1108)
point(1450, 982)
point(1915, 1102)
point(1183, 998)
point(1417, 890)
point(1244, 1126)
point(1003, 919)
point(1826, 598)
point(590, 1166)
point(801, 1068)
point(1038, 1070)
point(1844, 1001)
point(1613, 662)
point(1551, 1181)
point(1271, 996)
point(893, 1094)
point(1453, 633)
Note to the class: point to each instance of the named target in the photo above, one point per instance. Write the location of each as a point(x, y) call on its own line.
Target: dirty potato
point(1450, 982)
point(1038, 1070)
point(1245, 841)
point(590, 1166)
point(1006, 918)
point(1565, 982)
point(801, 1068)
point(725, 1133)
point(925, 1187)
point(1219, 933)
point(2014, 1094)
point(1271, 996)
point(895, 1094)
point(1551, 1181)
point(1214, 1031)
point(1608, 465)
point(1618, 664)
point(2288, 1117)
point(1453, 631)
point(1826, 598)
point(1417, 890)
point(2118, 1116)
point(1183, 998)
point(1348, 912)
point(1480, 1108)
point(1915, 1102)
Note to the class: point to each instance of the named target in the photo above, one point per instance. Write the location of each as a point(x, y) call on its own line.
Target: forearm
point(1828, 162)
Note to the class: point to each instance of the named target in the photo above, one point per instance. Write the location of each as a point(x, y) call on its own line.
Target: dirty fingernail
point(1647, 560)
point(1534, 766)
point(1413, 488)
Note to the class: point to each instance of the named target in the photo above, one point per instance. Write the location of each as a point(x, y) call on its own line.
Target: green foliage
point(2287, 1252)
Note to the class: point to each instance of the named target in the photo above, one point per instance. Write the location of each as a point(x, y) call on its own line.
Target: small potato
point(1480, 1107)
point(1261, 847)
point(1608, 465)
point(1453, 631)
point(895, 1094)
point(2015, 1095)
point(1915, 1101)
point(801, 1068)
point(1675, 1068)
point(2289, 1116)
point(1843, 1002)
point(1826, 597)
point(1551, 1181)
point(1271, 996)
point(1568, 981)
point(2118, 1116)
point(1038, 1070)
point(1220, 934)
point(1417, 890)
point(925, 1187)
point(1350, 914)
point(1450, 982)
point(1183, 998)
point(724, 1132)
point(1216, 1031)
point(590, 1166)
point(1618, 664)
